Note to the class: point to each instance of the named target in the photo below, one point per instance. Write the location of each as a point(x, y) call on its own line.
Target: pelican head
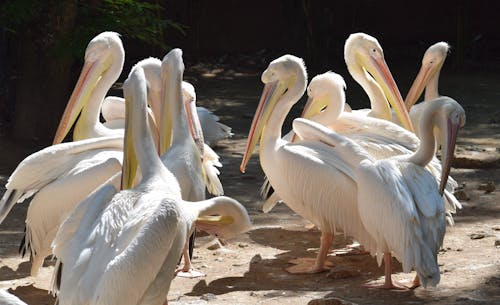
point(364, 56)
point(432, 62)
point(104, 53)
point(232, 218)
point(279, 78)
point(448, 117)
point(320, 88)
point(172, 70)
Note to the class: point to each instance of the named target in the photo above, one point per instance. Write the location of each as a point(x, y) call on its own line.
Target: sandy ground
point(250, 268)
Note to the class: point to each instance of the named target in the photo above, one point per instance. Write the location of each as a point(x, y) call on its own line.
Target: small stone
point(487, 187)
point(497, 242)
point(342, 272)
point(461, 195)
point(460, 249)
point(214, 245)
point(496, 227)
point(330, 301)
point(219, 259)
point(208, 297)
point(477, 235)
point(242, 245)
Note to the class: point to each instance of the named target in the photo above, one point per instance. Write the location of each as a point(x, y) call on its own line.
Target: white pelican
point(365, 61)
point(123, 248)
point(428, 76)
point(181, 140)
point(399, 201)
point(9, 299)
point(305, 175)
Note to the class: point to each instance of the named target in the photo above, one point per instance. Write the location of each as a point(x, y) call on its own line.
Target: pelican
point(428, 76)
point(181, 142)
point(305, 175)
point(123, 247)
point(366, 64)
point(9, 299)
point(399, 201)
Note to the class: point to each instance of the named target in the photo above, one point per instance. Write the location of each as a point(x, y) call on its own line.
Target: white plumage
point(125, 251)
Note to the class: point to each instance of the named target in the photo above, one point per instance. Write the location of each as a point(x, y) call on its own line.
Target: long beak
point(165, 118)
point(383, 76)
point(91, 72)
point(421, 80)
point(215, 220)
point(270, 95)
point(447, 151)
point(129, 167)
point(313, 106)
point(195, 126)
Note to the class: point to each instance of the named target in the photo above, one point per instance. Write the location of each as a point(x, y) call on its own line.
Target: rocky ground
point(250, 268)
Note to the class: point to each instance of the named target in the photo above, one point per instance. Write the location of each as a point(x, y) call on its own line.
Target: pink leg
point(307, 265)
point(388, 283)
point(187, 270)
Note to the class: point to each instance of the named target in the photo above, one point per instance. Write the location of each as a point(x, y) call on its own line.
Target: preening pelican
point(308, 178)
point(365, 61)
point(123, 248)
point(399, 201)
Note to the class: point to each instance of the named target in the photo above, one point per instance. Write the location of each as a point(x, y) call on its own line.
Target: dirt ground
point(250, 268)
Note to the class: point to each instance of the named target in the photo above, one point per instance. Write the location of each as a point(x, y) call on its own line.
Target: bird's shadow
point(270, 274)
point(33, 295)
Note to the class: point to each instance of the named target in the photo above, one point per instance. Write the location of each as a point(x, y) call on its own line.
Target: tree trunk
point(44, 77)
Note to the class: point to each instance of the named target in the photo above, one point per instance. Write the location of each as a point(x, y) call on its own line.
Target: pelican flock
point(118, 204)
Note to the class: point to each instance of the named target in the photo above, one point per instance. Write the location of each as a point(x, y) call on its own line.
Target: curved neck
point(272, 131)
point(431, 90)
point(89, 117)
point(427, 148)
point(378, 102)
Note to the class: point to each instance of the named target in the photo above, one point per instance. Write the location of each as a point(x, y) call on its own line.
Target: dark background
point(42, 42)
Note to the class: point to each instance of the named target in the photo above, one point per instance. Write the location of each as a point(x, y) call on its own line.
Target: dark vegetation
point(42, 42)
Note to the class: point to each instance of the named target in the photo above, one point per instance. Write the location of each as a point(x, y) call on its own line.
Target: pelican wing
point(396, 210)
point(211, 173)
point(213, 130)
point(49, 164)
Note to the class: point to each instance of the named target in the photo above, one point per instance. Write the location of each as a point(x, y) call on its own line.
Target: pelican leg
point(415, 283)
point(320, 264)
point(187, 270)
point(388, 283)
